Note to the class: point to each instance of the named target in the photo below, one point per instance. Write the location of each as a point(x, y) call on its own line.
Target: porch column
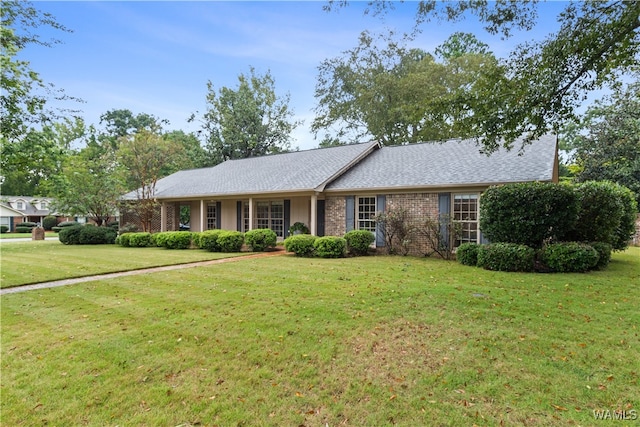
point(250, 213)
point(202, 215)
point(163, 216)
point(314, 214)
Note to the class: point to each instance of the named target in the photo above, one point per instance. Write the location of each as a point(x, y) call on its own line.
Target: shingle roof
point(296, 171)
point(451, 163)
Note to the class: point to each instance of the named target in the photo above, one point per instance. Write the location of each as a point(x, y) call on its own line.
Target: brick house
point(337, 189)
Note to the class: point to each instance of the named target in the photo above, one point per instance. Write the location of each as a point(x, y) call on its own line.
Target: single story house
point(337, 189)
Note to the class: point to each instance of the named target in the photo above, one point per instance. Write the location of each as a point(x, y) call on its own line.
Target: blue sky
point(156, 57)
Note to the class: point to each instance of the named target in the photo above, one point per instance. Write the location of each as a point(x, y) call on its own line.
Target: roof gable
point(452, 163)
point(308, 170)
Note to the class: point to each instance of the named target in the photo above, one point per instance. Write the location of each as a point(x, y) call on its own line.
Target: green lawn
point(47, 234)
point(284, 341)
point(42, 261)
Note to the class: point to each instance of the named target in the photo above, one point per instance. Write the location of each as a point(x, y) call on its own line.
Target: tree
point(606, 139)
point(191, 154)
point(27, 153)
point(145, 155)
point(248, 121)
point(120, 123)
point(398, 95)
point(597, 42)
point(90, 184)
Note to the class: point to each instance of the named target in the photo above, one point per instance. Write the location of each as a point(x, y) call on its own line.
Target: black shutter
point(239, 215)
point(287, 218)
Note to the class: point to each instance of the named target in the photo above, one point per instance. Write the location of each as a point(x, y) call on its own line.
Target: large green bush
point(68, 224)
point(20, 229)
point(527, 213)
point(172, 239)
point(27, 224)
point(87, 235)
point(600, 212)
point(208, 240)
point(123, 240)
point(358, 241)
point(93, 235)
point(231, 241)
point(467, 254)
point(4, 228)
point(139, 240)
point(300, 244)
point(569, 257)
point(506, 257)
point(260, 239)
point(70, 235)
point(330, 247)
point(49, 221)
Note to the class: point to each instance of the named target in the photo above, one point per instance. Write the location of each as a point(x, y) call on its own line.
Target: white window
point(43, 206)
point(20, 205)
point(245, 217)
point(271, 215)
point(465, 213)
point(366, 212)
point(212, 216)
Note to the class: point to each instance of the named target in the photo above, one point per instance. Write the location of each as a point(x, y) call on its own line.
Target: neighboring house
point(31, 209)
point(334, 190)
point(9, 216)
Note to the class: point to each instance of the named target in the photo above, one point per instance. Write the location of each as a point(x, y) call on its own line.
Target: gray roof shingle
point(452, 163)
point(296, 171)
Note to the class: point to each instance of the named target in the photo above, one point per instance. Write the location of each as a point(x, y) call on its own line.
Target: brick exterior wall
point(129, 217)
point(335, 220)
point(635, 241)
point(418, 206)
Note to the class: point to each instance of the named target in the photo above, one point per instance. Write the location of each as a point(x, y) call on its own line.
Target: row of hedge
point(87, 235)
point(564, 257)
point(536, 213)
point(257, 240)
point(355, 242)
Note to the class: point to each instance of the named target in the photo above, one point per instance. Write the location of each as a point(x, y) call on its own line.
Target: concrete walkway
point(64, 282)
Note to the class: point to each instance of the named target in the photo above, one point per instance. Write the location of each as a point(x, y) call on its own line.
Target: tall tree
point(145, 155)
point(606, 139)
point(23, 98)
point(120, 123)
point(248, 121)
point(90, 184)
point(398, 95)
point(596, 43)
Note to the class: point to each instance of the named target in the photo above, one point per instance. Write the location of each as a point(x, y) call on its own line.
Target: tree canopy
point(248, 121)
point(606, 139)
point(398, 95)
point(546, 80)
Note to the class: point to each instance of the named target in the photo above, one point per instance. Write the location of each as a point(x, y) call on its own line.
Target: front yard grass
point(290, 341)
point(28, 262)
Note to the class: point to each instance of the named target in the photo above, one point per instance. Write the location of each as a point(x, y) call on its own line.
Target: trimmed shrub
point(599, 214)
point(527, 213)
point(123, 239)
point(173, 239)
point(569, 257)
point(467, 254)
point(21, 229)
point(604, 254)
point(49, 221)
point(93, 235)
point(627, 228)
point(114, 224)
point(3, 228)
point(27, 224)
point(138, 240)
point(506, 257)
point(70, 235)
point(68, 224)
point(56, 229)
point(300, 244)
point(330, 247)
point(230, 241)
point(358, 241)
point(260, 239)
point(208, 240)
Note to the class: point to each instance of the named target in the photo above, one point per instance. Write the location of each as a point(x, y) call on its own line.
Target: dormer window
point(43, 206)
point(20, 205)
